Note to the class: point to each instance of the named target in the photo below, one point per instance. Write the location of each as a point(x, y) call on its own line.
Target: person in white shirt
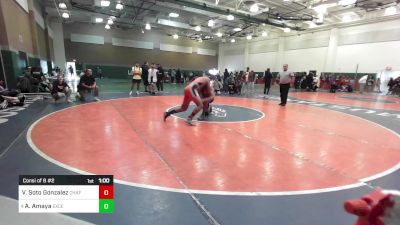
point(136, 78)
point(284, 79)
point(152, 78)
point(246, 81)
point(362, 82)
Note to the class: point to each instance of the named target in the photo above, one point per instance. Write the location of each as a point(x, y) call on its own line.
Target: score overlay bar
point(66, 194)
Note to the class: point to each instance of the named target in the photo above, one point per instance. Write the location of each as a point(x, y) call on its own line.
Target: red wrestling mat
point(293, 148)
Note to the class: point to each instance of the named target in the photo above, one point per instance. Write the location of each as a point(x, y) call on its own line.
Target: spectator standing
point(71, 70)
point(136, 78)
point(267, 82)
point(173, 74)
point(178, 76)
point(145, 75)
point(391, 83)
point(225, 80)
point(370, 83)
point(246, 81)
point(362, 82)
point(160, 78)
point(99, 72)
point(152, 79)
point(378, 85)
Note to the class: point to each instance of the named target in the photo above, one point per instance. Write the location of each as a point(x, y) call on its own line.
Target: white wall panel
point(371, 57)
point(204, 51)
point(84, 38)
point(132, 43)
point(261, 61)
point(175, 48)
point(305, 59)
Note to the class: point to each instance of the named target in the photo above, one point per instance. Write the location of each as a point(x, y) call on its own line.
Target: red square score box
point(106, 191)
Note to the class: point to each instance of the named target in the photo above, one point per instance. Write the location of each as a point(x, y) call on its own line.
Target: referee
point(284, 78)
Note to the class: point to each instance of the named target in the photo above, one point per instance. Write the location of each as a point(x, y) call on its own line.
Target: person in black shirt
point(61, 89)
point(178, 76)
point(71, 70)
point(267, 82)
point(160, 78)
point(145, 75)
point(87, 84)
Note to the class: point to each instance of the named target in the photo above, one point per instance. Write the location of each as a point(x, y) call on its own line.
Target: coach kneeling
point(87, 85)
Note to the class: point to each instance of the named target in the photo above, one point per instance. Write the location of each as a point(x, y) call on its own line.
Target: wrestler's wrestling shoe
point(202, 117)
point(190, 122)
point(166, 114)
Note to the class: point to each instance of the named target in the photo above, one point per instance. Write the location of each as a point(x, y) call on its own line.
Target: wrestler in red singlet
point(191, 93)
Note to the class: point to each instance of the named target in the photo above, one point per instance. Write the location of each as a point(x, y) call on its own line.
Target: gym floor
point(251, 162)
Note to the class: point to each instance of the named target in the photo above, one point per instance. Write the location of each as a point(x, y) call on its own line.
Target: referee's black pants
point(284, 89)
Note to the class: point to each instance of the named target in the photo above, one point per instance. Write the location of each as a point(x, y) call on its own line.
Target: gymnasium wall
point(371, 47)
point(22, 37)
point(92, 44)
point(18, 38)
point(17, 26)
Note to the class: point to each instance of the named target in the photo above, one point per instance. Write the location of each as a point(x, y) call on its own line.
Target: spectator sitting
point(61, 89)
point(45, 85)
point(87, 84)
point(217, 85)
point(396, 87)
point(27, 83)
point(390, 85)
point(309, 80)
point(5, 91)
point(9, 97)
point(334, 86)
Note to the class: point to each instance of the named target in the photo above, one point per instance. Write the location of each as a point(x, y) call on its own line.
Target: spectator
point(87, 84)
point(284, 79)
point(27, 83)
point(71, 70)
point(217, 85)
point(152, 79)
point(390, 85)
point(309, 81)
point(160, 78)
point(136, 78)
point(185, 77)
point(297, 80)
point(99, 72)
point(238, 82)
point(246, 81)
point(396, 87)
point(378, 85)
point(53, 73)
point(61, 90)
point(173, 74)
point(362, 81)
point(178, 76)
point(9, 97)
point(6, 101)
point(267, 82)
point(58, 70)
point(370, 83)
point(225, 82)
point(145, 75)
